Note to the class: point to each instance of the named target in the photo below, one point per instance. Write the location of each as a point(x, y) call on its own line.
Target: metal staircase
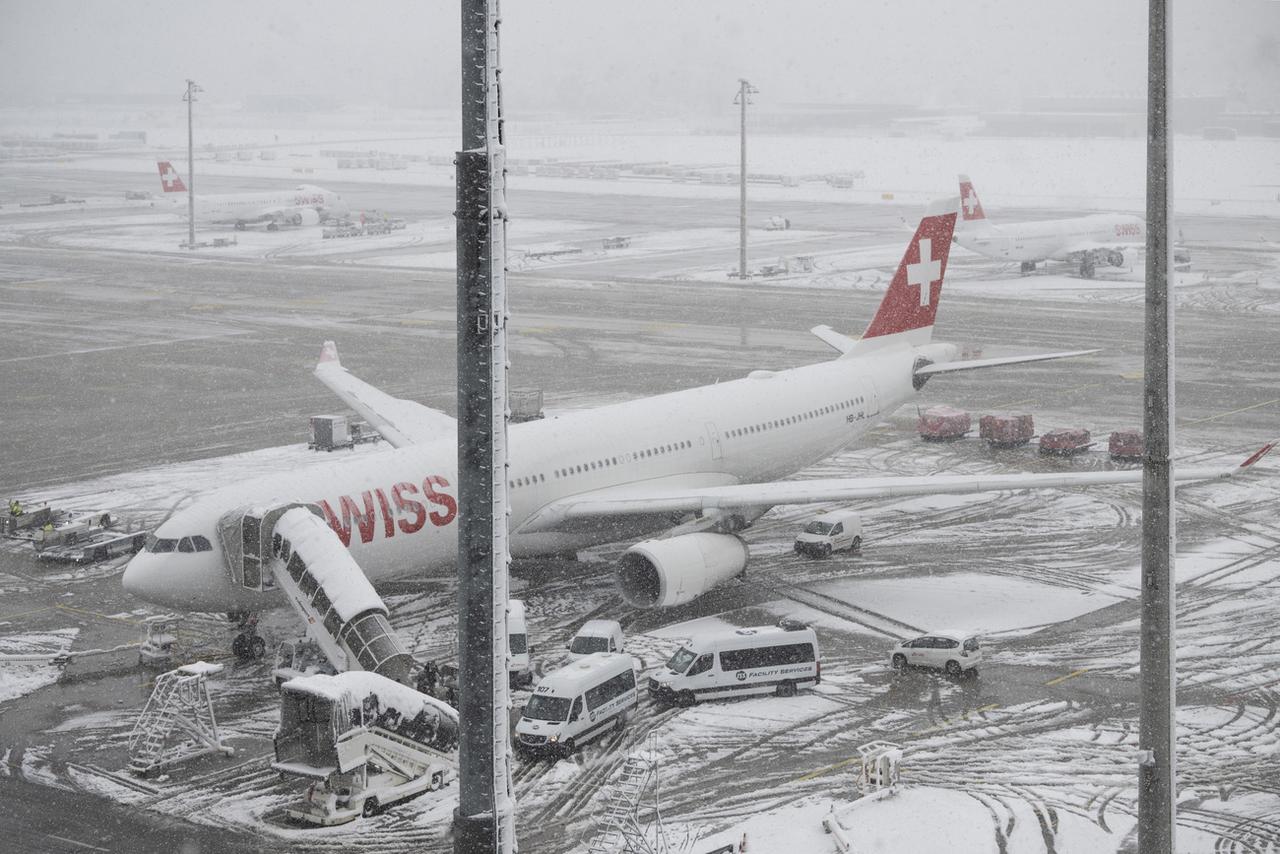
point(621, 829)
point(179, 705)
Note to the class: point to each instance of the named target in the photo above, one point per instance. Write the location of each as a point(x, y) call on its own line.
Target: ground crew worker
point(15, 507)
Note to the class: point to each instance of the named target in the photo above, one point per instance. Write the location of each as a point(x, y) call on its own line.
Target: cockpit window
point(201, 543)
point(159, 546)
point(184, 545)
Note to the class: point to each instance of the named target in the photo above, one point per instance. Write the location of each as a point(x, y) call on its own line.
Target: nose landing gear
point(248, 645)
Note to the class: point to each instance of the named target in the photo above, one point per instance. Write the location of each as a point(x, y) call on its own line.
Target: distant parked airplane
point(1086, 241)
point(305, 204)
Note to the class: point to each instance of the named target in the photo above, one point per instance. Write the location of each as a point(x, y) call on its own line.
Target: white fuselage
point(1057, 240)
point(396, 511)
point(277, 205)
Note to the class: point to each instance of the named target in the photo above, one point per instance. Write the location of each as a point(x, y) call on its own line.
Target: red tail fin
point(170, 179)
point(970, 207)
point(910, 304)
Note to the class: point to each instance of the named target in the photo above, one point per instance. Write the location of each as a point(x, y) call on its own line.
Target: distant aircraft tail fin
point(970, 208)
point(170, 179)
point(909, 306)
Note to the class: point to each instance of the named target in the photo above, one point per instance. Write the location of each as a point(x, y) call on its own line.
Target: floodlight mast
point(190, 98)
point(745, 91)
point(483, 822)
point(1157, 766)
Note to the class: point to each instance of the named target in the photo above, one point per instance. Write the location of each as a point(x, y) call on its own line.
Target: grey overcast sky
point(665, 55)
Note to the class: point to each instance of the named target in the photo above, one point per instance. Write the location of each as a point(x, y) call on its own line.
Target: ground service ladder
point(620, 827)
point(179, 702)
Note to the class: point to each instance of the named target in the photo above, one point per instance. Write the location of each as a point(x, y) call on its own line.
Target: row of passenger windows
point(794, 419)
point(185, 545)
point(647, 453)
point(607, 462)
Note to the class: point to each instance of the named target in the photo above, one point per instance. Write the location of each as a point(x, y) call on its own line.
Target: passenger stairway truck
point(291, 548)
point(363, 737)
point(365, 741)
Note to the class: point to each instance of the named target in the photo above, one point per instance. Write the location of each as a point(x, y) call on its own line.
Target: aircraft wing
point(1074, 250)
point(761, 496)
point(401, 422)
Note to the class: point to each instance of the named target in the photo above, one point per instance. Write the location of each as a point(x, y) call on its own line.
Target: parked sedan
point(954, 652)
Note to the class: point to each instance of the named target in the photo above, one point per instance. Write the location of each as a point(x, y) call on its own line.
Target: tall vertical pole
point(745, 90)
point(1157, 769)
point(190, 98)
point(483, 823)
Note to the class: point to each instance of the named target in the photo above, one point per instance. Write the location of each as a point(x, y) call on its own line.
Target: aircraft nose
point(137, 574)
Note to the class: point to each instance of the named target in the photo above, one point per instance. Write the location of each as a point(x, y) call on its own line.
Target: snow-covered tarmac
point(1041, 747)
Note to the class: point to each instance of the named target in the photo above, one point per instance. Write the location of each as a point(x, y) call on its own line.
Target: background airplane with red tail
point(1086, 241)
point(679, 475)
point(305, 204)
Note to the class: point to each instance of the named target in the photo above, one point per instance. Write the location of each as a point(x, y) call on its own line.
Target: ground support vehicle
point(1006, 431)
point(1065, 442)
point(943, 423)
point(830, 532)
point(519, 667)
point(739, 663)
point(577, 704)
point(596, 636)
point(1126, 445)
point(85, 540)
point(365, 741)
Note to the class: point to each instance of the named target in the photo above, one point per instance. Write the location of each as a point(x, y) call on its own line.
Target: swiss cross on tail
point(170, 179)
point(909, 306)
point(970, 207)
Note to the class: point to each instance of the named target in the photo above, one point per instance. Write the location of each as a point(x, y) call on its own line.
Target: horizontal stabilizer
point(975, 364)
point(834, 339)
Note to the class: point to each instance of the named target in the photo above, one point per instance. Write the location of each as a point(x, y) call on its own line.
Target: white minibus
point(578, 702)
point(739, 663)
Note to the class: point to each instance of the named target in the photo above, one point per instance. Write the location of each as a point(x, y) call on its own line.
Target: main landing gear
point(248, 645)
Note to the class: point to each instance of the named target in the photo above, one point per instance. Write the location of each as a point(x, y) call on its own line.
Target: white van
point(577, 703)
point(518, 670)
point(596, 636)
point(830, 532)
point(739, 663)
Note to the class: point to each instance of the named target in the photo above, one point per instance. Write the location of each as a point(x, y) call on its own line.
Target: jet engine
point(665, 573)
point(305, 216)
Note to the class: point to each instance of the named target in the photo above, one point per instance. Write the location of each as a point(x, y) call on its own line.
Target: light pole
point(190, 98)
point(745, 91)
point(1157, 766)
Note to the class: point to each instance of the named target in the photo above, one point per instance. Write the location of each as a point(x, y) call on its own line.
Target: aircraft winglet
point(329, 353)
point(1259, 454)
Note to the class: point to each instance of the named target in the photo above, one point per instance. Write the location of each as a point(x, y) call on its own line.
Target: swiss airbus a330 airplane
point(305, 204)
point(1086, 241)
point(687, 470)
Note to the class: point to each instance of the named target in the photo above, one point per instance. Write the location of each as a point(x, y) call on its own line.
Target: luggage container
point(943, 423)
point(1126, 445)
point(1006, 431)
point(1065, 442)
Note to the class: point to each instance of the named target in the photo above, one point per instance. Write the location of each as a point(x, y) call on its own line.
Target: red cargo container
point(1065, 442)
point(1126, 445)
point(1006, 431)
point(940, 423)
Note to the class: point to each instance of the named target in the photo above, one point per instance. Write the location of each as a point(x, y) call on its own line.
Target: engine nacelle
point(306, 216)
point(665, 573)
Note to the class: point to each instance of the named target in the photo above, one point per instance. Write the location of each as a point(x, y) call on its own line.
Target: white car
point(830, 532)
point(955, 652)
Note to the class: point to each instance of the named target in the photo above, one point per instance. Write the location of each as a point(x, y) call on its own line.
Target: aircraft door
point(713, 436)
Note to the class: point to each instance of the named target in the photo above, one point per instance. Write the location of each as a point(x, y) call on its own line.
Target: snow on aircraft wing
point(626, 502)
point(975, 364)
point(401, 422)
